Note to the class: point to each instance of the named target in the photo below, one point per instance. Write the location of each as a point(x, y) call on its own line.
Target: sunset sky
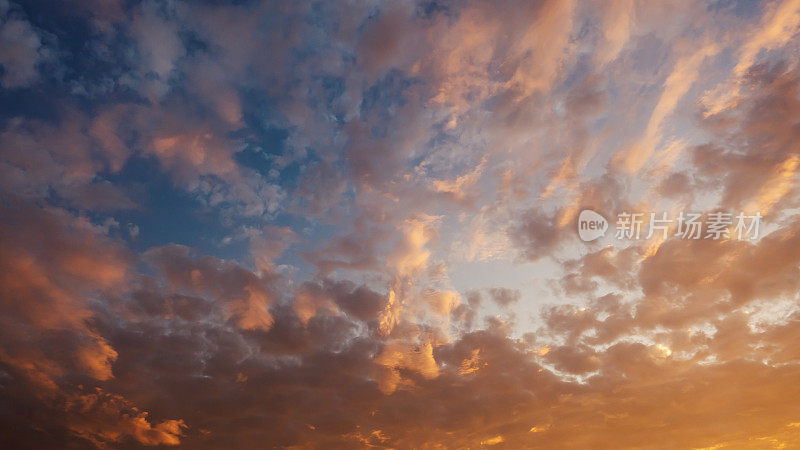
point(355, 224)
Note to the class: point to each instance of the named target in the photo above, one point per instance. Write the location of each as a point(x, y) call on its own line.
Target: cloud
point(777, 27)
point(677, 84)
point(504, 296)
point(22, 49)
point(756, 177)
point(275, 224)
point(39, 156)
point(246, 296)
point(55, 266)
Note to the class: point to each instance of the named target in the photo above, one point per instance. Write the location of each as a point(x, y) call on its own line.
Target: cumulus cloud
point(22, 48)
